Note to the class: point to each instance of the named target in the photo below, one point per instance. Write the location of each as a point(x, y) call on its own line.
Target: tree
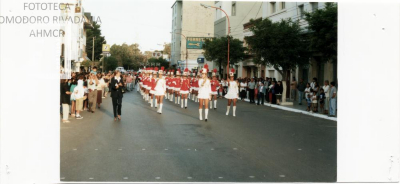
point(111, 63)
point(128, 56)
point(322, 25)
point(158, 62)
point(167, 49)
point(278, 44)
point(216, 49)
point(98, 42)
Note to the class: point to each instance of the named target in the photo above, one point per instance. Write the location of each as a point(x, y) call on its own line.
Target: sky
point(145, 22)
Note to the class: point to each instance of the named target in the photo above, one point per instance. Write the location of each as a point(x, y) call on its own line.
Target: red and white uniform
point(185, 86)
point(148, 83)
point(152, 85)
point(177, 84)
point(195, 84)
point(214, 86)
point(145, 82)
point(166, 82)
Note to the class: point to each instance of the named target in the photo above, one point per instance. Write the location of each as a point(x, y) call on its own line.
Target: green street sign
point(196, 42)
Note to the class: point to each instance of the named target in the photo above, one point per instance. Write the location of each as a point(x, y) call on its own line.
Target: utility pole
point(93, 51)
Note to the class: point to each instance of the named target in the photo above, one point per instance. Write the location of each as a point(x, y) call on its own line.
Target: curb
point(298, 111)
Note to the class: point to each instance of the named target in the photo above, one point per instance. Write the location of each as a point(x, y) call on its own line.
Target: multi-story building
point(276, 11)
point(239, 12)
point(73, 42)
point(193, 21)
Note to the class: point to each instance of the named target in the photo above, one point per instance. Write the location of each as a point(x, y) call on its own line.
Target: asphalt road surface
point(260, 144)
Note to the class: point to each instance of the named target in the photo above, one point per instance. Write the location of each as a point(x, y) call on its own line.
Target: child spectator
point(321, 100)
point(308, 99)
point(314, 101)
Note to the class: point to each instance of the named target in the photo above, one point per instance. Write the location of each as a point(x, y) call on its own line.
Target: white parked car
point(121, 69)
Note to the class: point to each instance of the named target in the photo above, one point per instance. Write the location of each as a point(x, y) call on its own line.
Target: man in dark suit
point(116, 85)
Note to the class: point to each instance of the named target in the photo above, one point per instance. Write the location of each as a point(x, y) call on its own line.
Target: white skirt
point(231, 96)
point(152, 91)
point(203, 96)
point(177, 89)
point(184, 92)
point(159, 93)
point(214, 93)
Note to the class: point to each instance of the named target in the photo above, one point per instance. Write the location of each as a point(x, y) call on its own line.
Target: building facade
point(239, 12)
point(190, 20)
point(276, 11)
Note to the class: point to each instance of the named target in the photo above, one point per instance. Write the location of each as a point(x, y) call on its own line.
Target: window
point(234, 8)
point(283, 5)
point(301, 10)
point(314, 6)
point(273, 7)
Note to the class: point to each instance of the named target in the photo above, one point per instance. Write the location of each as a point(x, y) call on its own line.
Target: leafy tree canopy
point(98, 42)
point(323, 26)
point(278, 44)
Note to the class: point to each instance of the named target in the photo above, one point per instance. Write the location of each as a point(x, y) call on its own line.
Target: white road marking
point(143, 149)
point(282, 176)
point(299, 149)
point(212, 148)
point(189, 178)
point(234, 148)
point(96, 149)
point(188, 149)
point(157, 178)
point(91, 178)
point(74, 149)
point(165, 149)
point(119, 149)
point(220, 177)
point(251, 176)
point(125, 178)
point(63, 178)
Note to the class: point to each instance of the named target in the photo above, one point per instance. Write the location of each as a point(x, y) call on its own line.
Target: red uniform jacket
point(195, 83)
point(185, 85)
point(214, 85)
point(178, 82)
point(152, 83)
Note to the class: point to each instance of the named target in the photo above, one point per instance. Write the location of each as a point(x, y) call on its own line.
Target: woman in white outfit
point(160, 89)
point(232, 94)
point(204, 92)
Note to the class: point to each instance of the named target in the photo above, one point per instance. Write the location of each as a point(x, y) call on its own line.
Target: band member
point(167, 78)
point(185, 86)
point(196, 86)
point(214, 88)
point(190, 83)
point(152, 86)
point(204, 92)
point(148, 84)
point(233, 92)
point(145, 83)
point(164, 75)
point(177, 86)
point(171, 86)
point(160, 89)
point(140, 83)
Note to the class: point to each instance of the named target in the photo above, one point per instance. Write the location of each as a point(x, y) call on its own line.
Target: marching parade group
point(156, 84)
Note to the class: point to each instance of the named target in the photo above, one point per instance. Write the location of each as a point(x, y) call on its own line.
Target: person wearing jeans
point(301, 86)
point(251, 85)
point(260, 95)
point(332, 100)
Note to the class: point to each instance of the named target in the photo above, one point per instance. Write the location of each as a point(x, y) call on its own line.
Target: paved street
point(260, 144)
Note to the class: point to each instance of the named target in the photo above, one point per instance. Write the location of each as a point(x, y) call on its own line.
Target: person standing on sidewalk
point(129, 82)
point(79, 91)
point(92, 86)
point(100, 88)
point(251, 86)
point(243, 88)
point(293, 90)
point(326, 91)
point(332, 100)
point(65, 99)
point(278, 92)
point(301, 86)
point(260, 96)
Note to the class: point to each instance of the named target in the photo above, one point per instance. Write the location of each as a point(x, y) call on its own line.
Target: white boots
point(211, 104)
point(160, 109)
point(234, 110)
point(215, 104)
point(206, 114)
point(185, 103)
point(182, 103)
point(200, 113)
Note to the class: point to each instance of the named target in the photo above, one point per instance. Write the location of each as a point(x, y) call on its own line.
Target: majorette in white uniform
point(160, 89)
point(204, 93)
point(233, 90)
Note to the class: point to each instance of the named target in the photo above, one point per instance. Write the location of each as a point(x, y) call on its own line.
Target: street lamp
point(186, 48)
point(229, 30)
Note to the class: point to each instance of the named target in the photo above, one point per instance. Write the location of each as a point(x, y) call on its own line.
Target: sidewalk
point(298, 108)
